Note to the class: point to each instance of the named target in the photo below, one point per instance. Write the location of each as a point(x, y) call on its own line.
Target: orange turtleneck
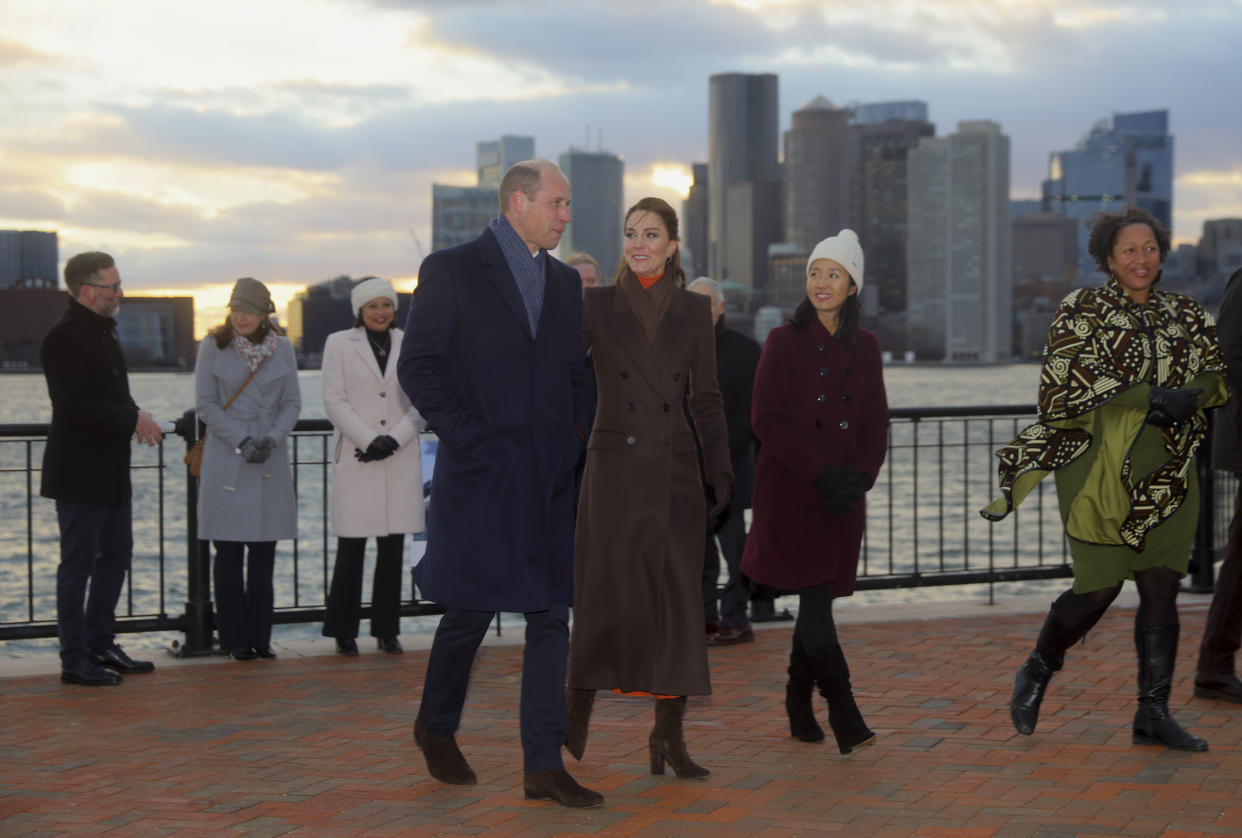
point(648, 281)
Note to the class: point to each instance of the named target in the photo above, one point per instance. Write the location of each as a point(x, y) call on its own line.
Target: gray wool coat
point(240, 501)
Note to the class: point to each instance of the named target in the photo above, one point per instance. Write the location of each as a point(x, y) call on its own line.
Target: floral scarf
point(1101, 344)
point(254, 354)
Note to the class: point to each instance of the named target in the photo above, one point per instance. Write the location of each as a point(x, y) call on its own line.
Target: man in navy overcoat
point(492, 359)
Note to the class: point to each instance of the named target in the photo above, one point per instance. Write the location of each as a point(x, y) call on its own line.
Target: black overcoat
point(737, 357)
point(1227, 437)
point(86, 459)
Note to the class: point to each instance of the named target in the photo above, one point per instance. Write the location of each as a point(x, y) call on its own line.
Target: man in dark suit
point(492, 359)
point(737, 356)
point(86, 470)
point(1216, 675)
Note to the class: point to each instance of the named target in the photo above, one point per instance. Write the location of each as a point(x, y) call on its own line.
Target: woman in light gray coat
point(377, 483)
point(245, 493)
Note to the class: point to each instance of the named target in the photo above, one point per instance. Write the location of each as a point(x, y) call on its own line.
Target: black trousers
point(345, 594)
point(736, 594)
point(244, 611)
point(1223, 634)
point(544, 662)
point(96, 543)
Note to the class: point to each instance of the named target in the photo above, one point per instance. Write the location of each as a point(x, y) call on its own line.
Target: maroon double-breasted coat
point(818, 401)
point(638, 550)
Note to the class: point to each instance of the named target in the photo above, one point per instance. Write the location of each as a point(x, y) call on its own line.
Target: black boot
point(798, 706)
point(578, 704)
point(1157, 651)
point(832, 674)
point(667, 742)
point(1033, 676)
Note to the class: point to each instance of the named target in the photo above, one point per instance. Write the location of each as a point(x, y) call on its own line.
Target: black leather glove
point(381, 448)
point(1172, 407)
point(256, 450)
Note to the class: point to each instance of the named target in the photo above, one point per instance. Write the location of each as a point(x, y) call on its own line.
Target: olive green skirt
point(1098, 566)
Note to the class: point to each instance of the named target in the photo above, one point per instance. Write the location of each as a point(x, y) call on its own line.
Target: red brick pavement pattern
point(322, 747)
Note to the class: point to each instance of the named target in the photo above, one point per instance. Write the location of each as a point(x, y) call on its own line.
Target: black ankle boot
point(578, 704)
point(1157, 651)
point(798, 690)
point(1033, 676)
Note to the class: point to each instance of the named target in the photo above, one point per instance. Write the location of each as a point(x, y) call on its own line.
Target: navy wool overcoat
point(509, 409)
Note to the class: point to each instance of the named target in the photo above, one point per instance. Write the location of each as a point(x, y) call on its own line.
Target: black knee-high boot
point(578, 704)
point(1157, 651)
point(798, 689)
point(667, 743)
point(1033, 676)
point(832, 674)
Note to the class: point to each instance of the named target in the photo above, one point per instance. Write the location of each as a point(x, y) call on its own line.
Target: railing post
point(198, 605)
point(1203, 556)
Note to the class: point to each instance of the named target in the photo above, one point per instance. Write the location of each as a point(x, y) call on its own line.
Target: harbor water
point(168, 394)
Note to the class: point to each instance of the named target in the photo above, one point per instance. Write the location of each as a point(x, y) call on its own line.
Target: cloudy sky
point(296, 140)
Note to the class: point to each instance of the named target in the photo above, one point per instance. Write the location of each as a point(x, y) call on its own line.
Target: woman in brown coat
point(638, 606)
point(820, 412)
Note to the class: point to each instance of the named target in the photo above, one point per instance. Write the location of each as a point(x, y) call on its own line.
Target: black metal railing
point(923, 526)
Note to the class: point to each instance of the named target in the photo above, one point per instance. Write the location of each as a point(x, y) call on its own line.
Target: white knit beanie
point(844, 249)
point(369, 289)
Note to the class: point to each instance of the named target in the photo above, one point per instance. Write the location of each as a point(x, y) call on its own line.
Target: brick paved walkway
point(321, 747)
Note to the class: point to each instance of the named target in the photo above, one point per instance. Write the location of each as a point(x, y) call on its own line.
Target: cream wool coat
point(386, 496)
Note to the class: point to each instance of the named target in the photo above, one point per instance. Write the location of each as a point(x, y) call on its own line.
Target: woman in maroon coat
point(821, 416)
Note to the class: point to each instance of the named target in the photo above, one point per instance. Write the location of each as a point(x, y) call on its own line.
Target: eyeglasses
point(114, 287)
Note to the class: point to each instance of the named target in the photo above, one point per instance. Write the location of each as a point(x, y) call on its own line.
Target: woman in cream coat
point(377, 483)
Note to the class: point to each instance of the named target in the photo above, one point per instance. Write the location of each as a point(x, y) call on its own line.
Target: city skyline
point(296, 141)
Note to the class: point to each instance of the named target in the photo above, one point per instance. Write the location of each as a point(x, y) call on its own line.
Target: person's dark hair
point(1106, 225)
point(224, 332)
point(805, 313)
point(81, 268)
point(669, 216)
point(354, 283)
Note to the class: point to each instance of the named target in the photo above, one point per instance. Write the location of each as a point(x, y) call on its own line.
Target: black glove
point(382, 447)
point(1172, 407)
point(830, 482)
point(859, 479)
point(256, 451)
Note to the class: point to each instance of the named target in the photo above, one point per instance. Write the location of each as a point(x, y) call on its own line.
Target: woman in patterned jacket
point(1127, 372)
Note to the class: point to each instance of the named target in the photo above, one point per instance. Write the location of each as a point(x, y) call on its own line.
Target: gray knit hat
point(251, 296)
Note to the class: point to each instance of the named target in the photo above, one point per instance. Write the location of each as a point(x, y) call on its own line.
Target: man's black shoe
point(86, 673)
point(115, 658)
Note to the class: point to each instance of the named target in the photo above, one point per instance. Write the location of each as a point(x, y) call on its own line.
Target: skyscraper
point(1124, 159)
point(694, 223)
point(881, 151)
point(595, 178)
point(743, 132)
point(459, 213)
point(818, 161)
point(959, 264)
point(494, 157)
